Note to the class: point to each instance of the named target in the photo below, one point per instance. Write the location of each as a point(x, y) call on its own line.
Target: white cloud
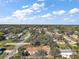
point(25, 6)
point(74, 10)
point(46, 15)
point(7, 20)
point(22, 15)
point(37, 6)
point(60, 12)
point(27, 11)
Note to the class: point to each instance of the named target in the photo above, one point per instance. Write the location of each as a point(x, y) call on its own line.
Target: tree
point(55, 52)
point(41, 53)
point(36, 42)
point(2, 38)
point(25, 53)
point(21, 50)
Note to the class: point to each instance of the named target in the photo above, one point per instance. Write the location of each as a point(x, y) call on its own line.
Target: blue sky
point(39, 11)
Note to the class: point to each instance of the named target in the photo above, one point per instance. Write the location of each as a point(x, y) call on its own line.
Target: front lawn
point(2, 43)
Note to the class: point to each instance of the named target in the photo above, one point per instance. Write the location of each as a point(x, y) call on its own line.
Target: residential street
point(16, 47)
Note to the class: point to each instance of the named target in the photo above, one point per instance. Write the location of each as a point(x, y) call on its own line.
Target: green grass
point(16, 56)
point(62, 45)
point(2, 43)
point(74, 47)
point(2, 56)
point(1, 33)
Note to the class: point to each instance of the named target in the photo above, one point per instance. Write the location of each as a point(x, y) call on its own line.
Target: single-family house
point(66, 53)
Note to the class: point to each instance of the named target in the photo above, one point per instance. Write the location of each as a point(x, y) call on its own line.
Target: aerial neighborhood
point(39, 42)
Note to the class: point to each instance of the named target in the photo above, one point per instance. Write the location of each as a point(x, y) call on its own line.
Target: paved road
point(16, 47)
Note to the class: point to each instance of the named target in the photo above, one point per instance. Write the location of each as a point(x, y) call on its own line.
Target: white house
point(66, 53)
